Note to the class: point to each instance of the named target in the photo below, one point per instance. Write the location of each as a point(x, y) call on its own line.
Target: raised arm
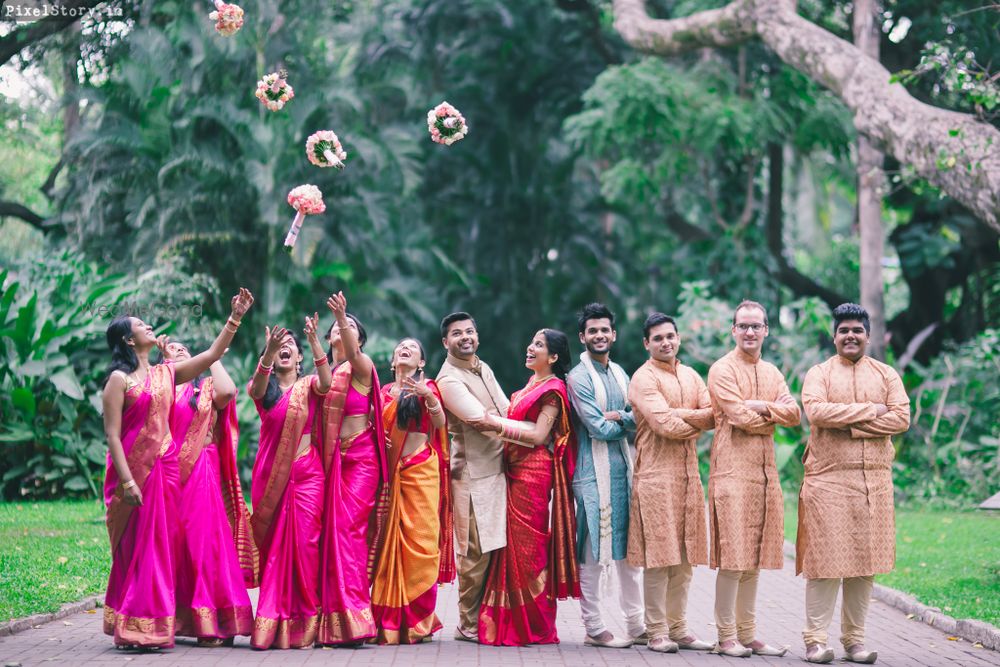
point(584, 401)
point(113, 399)
point(272, 343)
point(189, 369)
point(648, 401)
point(324, 377)
point(724, 389)
point(896, 419)
point(225, 388)
point(824, 413)
point(361, 364)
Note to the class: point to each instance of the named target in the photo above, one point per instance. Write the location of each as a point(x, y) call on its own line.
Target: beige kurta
point(846, 520)
point(745, 505)
point(469, 389)
point(671, 408)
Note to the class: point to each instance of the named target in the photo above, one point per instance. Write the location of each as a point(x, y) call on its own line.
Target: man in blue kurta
point(602, 482)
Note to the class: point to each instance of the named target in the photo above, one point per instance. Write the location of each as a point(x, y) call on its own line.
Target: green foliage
point(51, 553)
point(949, 456)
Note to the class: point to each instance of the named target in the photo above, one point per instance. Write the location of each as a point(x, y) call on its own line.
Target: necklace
point(534, 382)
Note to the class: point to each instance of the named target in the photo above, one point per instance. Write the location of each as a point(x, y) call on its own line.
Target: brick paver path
point(899, 641)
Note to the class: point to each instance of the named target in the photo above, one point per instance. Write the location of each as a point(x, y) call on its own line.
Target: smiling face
point(851, 339)
point(750, 330)
point(142, 334)
point(598, 336)
point(663, 342)
point(462, 339)
point(288, 354)
point(333, 337)
point(407, 357)
point(176, 352)
point(537, 357)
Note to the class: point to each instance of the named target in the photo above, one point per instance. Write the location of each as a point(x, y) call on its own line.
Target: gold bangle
point(129, 484)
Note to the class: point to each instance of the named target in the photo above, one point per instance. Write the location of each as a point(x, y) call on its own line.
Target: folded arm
point(584, 401)
point(896, 419)
point(647, 400)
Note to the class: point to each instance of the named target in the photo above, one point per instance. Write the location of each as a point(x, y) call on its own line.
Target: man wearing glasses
point(746, 514)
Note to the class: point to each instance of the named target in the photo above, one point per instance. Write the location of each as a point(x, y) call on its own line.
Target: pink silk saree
point(355, 473)
point(139, 606)
point(538, 565)
point(287, 497)
point(215, 562)
point(415, 551)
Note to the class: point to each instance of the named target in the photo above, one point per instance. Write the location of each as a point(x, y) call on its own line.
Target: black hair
point(455, 317)
point(558, 344)
point(123, 357)
point(851, 311)
point(408, 404)
point(595, 311)
point(747, 303)
point(655, 320)
point(273, 392)
point(362, 337)
point(193, 401)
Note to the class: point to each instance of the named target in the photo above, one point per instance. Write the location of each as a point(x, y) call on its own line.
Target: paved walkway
point(899, 641)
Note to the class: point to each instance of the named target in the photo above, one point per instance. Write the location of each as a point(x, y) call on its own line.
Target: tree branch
point(954, 151)
point(13, 209)
point(16, 40)
point(684, 230)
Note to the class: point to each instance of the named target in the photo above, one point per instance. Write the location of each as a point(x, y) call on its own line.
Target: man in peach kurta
point(667, 520)
point(846, 522)
point(745, 505)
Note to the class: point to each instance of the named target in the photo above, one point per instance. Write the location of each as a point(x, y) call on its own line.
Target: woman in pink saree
point(538, 565)
point(216, 559)
point(141, 486)
point(287, 489)
point(414, 552)
point(355, 466)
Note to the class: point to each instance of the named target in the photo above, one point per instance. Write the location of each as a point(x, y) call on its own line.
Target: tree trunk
point(954, 151)
point(869, 192)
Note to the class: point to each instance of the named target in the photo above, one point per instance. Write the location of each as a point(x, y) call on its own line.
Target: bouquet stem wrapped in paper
point(323, 149)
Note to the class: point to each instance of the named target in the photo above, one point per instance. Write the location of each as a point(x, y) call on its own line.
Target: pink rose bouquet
point(324, 150)
point(446, 124)
point(228, 18)
point(306, 200)
point(273, 90)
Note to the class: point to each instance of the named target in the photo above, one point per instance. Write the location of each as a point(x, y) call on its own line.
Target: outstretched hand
point(241, 303)
point(310, 330)
point(337, 303)
point(161, 342)
point(273, 339)
point(415, 386)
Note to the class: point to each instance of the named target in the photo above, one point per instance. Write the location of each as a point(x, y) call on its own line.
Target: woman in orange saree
point(141, 485)
point(538, 565)
point(287, 489)
point(414, 552)
point(216, 560)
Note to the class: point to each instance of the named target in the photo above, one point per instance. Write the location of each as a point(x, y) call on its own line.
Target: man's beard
point(592, 350)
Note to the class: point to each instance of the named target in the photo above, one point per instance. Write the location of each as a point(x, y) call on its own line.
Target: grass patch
point(949, 560)
point(51, 553)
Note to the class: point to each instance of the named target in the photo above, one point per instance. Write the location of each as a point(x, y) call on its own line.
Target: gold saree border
point(208, 622)
point(349, 625)
point(139, 631)
point(284, 633)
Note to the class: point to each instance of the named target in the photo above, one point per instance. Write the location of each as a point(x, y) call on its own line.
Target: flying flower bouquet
point(228, 18)
point(273, 90)
point(324, 150)
point(446, 124)
point(306, 200)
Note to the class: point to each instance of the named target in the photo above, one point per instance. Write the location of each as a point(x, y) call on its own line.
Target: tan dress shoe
point(735, 650)
point(819, 654)
point(857, 653)
point(662, 645)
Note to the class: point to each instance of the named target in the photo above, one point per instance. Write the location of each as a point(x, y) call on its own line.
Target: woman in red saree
point(216, 560)
point(355, 467)
point(414, 552)
point(287, 489)
point(141, 483)
point(538, 565)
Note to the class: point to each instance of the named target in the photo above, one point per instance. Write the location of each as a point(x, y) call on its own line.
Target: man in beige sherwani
point(666, 532)
point(846, 522)
point(745, 505)
point(479, 490)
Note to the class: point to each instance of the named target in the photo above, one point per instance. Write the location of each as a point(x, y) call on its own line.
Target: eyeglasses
point(750, 327)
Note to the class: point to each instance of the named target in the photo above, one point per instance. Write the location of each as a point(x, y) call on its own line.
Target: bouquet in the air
point(324, 150)
point(306, 200)
point(228, 18)
point(273, 90)
point(446, 124)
